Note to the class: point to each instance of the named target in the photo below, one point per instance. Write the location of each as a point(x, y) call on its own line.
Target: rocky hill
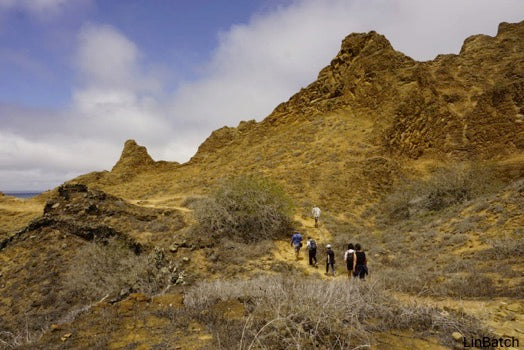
point(46, 267)
point(373, 117)
point(421, 162)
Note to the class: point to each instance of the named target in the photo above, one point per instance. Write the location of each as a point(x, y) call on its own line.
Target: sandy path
point(284, 251)
point(160, 202)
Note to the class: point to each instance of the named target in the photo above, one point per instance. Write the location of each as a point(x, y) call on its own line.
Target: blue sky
point(79, 77)
point(37, 47)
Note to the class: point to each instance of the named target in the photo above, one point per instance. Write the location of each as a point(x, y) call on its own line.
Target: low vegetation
point(443, 188)
point(246, 208)
point(111, 269)
point(288, 313)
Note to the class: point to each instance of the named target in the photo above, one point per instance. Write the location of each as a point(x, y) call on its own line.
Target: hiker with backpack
point(316, 215)
point(348, 258)
point(312, 251)
point(296, 242)
point(360, 268)
point(330, 259)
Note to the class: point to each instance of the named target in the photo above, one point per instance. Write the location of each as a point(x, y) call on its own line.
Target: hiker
point(296, 242)
point(312, 251)
point(348, 258)
point(316, 215)
point(330, 259)
point(360, 268)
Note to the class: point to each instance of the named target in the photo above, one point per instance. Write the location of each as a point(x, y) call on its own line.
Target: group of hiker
point(354, 256)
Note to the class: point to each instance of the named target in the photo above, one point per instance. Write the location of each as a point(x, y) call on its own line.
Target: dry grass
point(445, 187)
point(229, 257)
point(287, 313)
point(10, 340)
point(111, 268)
point(16, 213)
point(505, 247)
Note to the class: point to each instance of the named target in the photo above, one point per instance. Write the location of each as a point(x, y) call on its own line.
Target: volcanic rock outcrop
point(133, 159)
point(36, 262)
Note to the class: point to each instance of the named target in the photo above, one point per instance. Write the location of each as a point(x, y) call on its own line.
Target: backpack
point(312, 244)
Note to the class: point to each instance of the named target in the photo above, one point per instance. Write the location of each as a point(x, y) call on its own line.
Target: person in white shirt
point(316, 215)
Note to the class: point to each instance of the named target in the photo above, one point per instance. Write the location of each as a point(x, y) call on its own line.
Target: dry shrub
point(230, 256)
point(412, 279)
point(470, 285)
point(245, 208)
point(19, 339)
point(288, 313)
point(191, 201)
point(505, 247)
point(458, 278)
point(445, 187)
point(110, 267)
point(459, 239)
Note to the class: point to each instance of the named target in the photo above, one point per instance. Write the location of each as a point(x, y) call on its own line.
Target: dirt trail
point(284, 251)
point(160, 203)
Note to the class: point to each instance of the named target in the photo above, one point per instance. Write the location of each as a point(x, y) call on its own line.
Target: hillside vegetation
point(420, 162)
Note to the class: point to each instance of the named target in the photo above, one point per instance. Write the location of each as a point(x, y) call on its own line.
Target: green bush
point(246, 208)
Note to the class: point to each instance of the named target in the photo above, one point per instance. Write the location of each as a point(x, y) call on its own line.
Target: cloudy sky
point(79, 77)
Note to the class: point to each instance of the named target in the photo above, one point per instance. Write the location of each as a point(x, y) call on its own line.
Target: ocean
point(22, 194)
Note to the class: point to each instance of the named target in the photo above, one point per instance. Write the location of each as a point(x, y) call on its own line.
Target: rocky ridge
point(372, 116)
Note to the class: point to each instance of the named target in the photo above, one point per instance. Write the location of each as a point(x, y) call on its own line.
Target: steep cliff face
point(467, 105)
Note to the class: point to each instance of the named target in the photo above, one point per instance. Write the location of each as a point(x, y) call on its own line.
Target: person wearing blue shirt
point(296, 242)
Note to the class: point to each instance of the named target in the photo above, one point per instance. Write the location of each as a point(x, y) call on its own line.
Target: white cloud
point(22, 154)
point(258, 65)
point(108, 59)
point(45, 162)
point(117, 99)
point(40, 8)
point(424, 29)
point(254, 67)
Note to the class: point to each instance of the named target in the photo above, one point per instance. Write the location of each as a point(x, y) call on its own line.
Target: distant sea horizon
point(23, 194)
